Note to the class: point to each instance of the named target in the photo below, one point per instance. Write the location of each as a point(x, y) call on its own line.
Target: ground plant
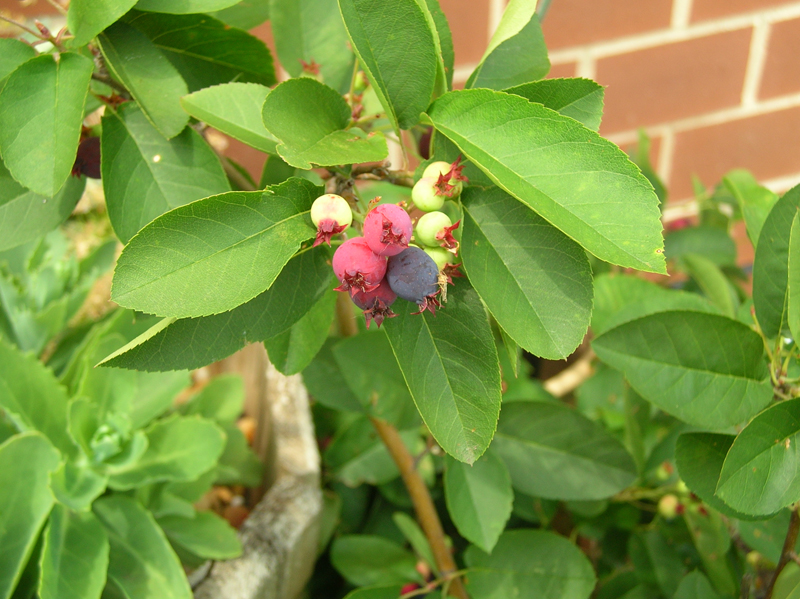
point(422, 255)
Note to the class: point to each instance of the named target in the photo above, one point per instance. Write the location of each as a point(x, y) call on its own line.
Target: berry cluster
point(381, 266)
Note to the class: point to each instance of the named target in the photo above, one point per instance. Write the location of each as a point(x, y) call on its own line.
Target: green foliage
point(672, 460)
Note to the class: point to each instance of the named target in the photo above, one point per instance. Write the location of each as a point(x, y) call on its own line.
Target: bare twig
point(57, 6)
point(35, 34)
point(423, 504)
point(111, 83)
point(788, 548)
point(570, 378)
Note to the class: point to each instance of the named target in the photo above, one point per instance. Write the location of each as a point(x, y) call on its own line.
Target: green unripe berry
point(669, 506)
point(434, 169)
point(331, 206)
point(429, 225)
point(425, 196)
point(440, 255)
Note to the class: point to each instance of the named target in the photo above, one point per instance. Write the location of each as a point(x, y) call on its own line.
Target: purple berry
point(87, 161)
point(357, 267)
point(387, 229)
point(376, 303)
point(414, 276)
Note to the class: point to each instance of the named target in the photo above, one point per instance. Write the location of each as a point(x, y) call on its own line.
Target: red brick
point(655, 150)
point(767, 145)
point(250, 158)
point(566, 69)
point(32, 9)
point(712, 9)
point(674, 81)
point(782, 67)
point(469, 23)
point(578, 22)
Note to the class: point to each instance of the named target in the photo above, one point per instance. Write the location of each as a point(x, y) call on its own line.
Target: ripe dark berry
point(331, 214)
point(357, 267)
point(387, 229)
point(87, 162)
point(376, 303)
point(414, 276)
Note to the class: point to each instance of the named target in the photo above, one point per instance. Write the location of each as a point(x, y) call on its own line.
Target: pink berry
point(376, 303)
point(357, 267)
point(387, 229)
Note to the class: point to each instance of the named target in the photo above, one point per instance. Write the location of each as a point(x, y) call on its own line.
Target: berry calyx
point(387, 229)
point(414, 276)
point(357, 267)
point(331, 215)
point(449, 180)
point(424, 195)
point(375, 303)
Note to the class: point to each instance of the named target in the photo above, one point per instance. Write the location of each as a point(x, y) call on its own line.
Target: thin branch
point(57, 6)
point(788, 548)
point(35, 34)
point(423, 504)
point(110, 83)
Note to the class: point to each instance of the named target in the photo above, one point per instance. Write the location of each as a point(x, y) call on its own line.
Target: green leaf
point(235, 109)
point(516, 53)
point(713, 283)
point(397, 50)
point(479, 498)
point(238, 464)
point(767, 536)
point(580, 99)
point(145, 175)
point(206, 535)
point(695, 586)
point(87, 18)
point(771, 265)
point(325, 382)
point(246, 14)
point(32, 399)
point(415, 537)
point(712, 541)
point(184, 6)
point(220, 400)
point(312, 31)
point(553, 451)
point(641, 158)
point(530, 564)
point(291, 351)
point(41, 110)
point(757, 477)
point(534, 279)
point(207, 51)
point(26, 215)
point(445, 43)
point(179, 448)
point(754, 200)
point(74, 556)
point(25, 461)
point(195, 342)
point(356, 455)
point(392, 591)
point(147, 74)
point(705, 369)
point(655, 561)
point(172, 266)
point(76, 486)
point(711, 242)
point(622, 298)
point(368, 560)
point(141, 562)
point(310, 119)
point(699, 457)
point(788, 584)
point(568, 174)
point(450, 364)
point(793, 288)
point(13, 53)
point(382, 392)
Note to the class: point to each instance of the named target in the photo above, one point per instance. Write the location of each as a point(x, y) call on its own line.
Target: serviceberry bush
point(503, 229)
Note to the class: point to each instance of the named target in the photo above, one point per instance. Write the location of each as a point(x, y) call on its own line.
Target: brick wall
point(716, 83)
